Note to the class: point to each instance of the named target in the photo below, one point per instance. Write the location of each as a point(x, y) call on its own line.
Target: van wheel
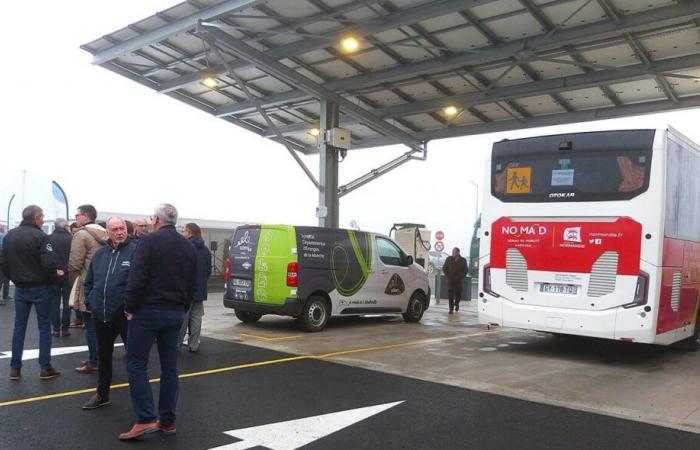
point(248, 316)
point(416, 308)
point(315, 314)
point(692, 344)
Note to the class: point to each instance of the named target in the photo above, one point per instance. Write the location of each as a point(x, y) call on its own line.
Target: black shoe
point(95, 402)
point(450, 312)
point(456, 307)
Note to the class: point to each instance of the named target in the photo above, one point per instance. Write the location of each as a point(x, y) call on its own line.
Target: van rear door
point(277, 248)
point(242, 255)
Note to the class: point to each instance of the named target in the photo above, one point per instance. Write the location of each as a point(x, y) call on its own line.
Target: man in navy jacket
point(105, 292)
point(160, 289)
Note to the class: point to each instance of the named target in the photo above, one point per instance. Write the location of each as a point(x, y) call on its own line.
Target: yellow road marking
point(271, 339)
point(250, 365)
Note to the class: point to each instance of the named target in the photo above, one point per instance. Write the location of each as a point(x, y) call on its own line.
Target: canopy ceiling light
point(210, 82)
point(450, 110)
point(350, 44)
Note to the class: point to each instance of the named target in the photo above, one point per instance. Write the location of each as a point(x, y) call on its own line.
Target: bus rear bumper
point(633, 324)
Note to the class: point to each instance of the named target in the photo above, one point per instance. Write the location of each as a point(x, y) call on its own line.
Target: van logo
point(395, 286)
point(572, 234)
point(244, 240)
point(246, 265)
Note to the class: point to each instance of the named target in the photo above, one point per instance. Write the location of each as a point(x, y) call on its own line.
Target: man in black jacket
point(60, 240)
point(455, 269)
point(105, 290)
point(27, 258)
point(160, 289)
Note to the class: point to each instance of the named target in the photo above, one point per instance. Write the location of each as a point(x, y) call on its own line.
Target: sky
point(123, 148)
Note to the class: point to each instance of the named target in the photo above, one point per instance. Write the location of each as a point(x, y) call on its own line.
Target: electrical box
point(338, 137)
point(415, 241)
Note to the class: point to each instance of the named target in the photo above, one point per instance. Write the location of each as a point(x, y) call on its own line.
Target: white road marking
point(55, 351)
point(293, 434)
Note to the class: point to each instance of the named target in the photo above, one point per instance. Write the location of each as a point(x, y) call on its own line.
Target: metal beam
point(178, 26)
point(424, 11)
point(549, 120)
point(644, 57)
point(382, 170)
point(277, 69)
point(657, 18)
point(202, 106)
point(542, 87)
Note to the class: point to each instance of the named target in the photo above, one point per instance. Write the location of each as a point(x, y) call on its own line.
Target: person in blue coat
point(105, 291)
point(193, 318)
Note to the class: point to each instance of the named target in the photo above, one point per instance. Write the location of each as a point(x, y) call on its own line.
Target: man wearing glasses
point(89, 238)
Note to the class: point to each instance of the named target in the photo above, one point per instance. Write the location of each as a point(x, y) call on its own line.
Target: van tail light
point(487, 281)
point(293, 274)
point(227, 270)
point(641, 292)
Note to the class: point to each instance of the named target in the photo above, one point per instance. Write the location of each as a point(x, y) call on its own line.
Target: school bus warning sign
point(518, 181)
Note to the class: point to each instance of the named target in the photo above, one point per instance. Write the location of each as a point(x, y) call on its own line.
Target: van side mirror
point(409, 260)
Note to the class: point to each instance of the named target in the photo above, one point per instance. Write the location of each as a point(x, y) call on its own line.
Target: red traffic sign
point(439, 235)
point(439, 246)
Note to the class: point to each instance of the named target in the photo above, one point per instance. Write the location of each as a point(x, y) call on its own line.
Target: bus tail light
point(227, 270)
point(292, 274)
point(641, 292)
point(487, 281)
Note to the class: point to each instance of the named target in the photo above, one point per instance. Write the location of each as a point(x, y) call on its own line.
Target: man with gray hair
point(27, 259)
point(140, 228)
point(159, 291)
point(60, 240)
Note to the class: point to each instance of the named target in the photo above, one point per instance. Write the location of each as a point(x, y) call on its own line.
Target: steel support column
point(328, 200)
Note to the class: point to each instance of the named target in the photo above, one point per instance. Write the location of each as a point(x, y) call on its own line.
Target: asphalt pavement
point(240, 396)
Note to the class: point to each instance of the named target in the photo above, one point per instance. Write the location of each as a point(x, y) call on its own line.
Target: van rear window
point(581, 176)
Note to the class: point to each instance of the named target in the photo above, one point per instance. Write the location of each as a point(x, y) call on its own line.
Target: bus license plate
point(240, 282)
point(555, 288)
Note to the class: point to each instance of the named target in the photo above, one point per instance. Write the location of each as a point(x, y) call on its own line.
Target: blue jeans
point(61, 321)
point(147, 325)
point(90, 338)
point(40, 297)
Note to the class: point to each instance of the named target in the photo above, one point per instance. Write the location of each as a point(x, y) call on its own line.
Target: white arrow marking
point(293, 434)
point(55, 351)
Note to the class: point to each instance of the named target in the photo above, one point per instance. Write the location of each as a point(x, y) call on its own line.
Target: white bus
point(594, 234)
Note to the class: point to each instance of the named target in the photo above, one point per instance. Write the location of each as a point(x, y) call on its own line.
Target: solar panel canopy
point(413, 70)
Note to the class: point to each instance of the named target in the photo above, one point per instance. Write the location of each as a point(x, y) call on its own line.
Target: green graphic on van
point(351, 261)
point(395, 286)
point(273, 255)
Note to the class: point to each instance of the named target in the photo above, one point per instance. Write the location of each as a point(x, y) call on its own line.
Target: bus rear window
point(579, 176)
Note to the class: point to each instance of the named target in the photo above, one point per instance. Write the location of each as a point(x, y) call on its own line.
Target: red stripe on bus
point(679, 257)
point(567, 246)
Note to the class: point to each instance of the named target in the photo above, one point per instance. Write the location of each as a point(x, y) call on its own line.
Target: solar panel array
point(419, 70)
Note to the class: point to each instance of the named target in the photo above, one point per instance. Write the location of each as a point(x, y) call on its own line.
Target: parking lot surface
point(653, 384)
point(238, 395)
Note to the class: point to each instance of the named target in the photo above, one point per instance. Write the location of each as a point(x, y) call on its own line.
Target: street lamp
point(476, 200)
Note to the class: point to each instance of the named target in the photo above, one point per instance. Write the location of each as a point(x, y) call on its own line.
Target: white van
point(313, 273)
